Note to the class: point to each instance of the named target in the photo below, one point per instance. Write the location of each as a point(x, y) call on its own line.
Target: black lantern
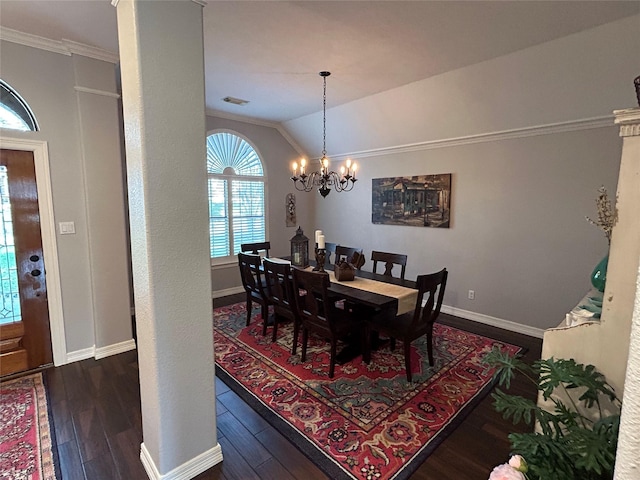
point(300, 249)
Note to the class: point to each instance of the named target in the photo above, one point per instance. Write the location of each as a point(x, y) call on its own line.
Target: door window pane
point(9, 294)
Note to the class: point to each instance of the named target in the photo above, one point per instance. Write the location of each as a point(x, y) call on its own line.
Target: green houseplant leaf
point(573, 439)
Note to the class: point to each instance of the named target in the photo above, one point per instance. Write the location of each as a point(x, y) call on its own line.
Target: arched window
point(15, 114)
point(236, 194)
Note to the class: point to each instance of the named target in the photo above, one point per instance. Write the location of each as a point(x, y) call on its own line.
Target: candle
point(296, 258)
point(321, 241)
point(354, 168)
point(295, 168)
point(318, 233)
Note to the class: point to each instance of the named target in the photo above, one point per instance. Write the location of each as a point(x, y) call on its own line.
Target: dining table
point(372, 296)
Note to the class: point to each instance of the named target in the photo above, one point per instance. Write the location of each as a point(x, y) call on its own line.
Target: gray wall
point(527, 140)
point(86, 183)
point(518, 235)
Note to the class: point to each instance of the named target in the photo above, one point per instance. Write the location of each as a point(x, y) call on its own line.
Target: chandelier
point(324, 179)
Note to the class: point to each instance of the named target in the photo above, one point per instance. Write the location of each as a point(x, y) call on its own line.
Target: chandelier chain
point(324, 118)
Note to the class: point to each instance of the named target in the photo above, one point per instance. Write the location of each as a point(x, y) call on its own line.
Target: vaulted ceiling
point(270, 52)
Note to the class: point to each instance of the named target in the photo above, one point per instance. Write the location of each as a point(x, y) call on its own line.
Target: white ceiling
point(270, 52)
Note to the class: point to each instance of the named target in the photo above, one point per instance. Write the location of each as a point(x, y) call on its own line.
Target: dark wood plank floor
point(96, 412)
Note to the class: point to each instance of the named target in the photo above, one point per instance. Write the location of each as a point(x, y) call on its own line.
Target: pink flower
point(519, 463)
point(506, 472)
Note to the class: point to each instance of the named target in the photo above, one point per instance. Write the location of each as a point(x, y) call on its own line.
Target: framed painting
point(418, 201)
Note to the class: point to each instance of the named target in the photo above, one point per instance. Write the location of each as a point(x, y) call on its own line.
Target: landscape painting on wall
point(418, 201)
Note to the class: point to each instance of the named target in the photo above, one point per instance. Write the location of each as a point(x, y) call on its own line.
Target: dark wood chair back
point(312, 298)
point(348, 253)
point(278, 282)
point(250, 272)
point(256, 247)
point(389, 260)
point(253, 283)
point(279, 291)
point(330, 249)
point(431, 286)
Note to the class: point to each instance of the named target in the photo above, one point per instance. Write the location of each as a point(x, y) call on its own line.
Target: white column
point(627, 460)
point(161, 54)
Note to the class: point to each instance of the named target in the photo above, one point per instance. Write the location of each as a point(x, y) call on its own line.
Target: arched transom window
point(15, 114)
point(236, 194)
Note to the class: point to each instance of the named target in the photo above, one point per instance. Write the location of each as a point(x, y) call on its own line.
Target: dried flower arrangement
point(607, 214)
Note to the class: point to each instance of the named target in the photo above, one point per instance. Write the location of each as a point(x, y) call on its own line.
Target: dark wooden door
point(25, 335)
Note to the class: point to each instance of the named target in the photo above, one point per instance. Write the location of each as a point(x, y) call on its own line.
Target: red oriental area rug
point(367, 422)
point(25, 432)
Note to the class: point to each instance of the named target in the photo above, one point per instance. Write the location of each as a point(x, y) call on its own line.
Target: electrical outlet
point(472, 295)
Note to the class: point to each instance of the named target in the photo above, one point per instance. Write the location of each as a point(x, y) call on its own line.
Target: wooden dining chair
point(389, 260)
point(256, 248)
point(413, 325)
point(253, 283)
point(349, 254)
point(317, 313)
point(279, 292)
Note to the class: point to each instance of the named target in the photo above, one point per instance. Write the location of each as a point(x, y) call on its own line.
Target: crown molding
point(34, 41)
point(199, 2)
point(262, 123)
point(548, 129)
point(629, 121)
point(64, 47)
point(90, 51)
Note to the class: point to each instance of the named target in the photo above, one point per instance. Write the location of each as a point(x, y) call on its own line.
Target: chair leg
point(332, 361)
point(407, 358)
point(275, 327)
point(265, 317)
point(430, 346)
point(248, 311)
point(264, 322)
point(305, 335)
point(296, 330)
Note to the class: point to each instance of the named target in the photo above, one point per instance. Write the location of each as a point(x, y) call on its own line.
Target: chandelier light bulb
point(348, 163)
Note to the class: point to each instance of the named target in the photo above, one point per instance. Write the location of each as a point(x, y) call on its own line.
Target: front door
point(25, 335)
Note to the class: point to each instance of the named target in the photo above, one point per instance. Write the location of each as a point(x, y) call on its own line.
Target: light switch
point(67, 228)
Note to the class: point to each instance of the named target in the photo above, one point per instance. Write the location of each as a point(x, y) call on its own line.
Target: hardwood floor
point(98, 426)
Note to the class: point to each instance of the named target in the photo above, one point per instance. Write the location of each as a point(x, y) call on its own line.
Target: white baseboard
point(494, 322)
point(102, 352)
point(187, 470)
point(80, 354)
point(227, 291)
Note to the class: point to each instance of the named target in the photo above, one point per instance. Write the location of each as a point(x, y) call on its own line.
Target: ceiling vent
point(235, 101)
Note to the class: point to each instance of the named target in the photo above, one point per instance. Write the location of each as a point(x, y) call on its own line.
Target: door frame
point(40, 150)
